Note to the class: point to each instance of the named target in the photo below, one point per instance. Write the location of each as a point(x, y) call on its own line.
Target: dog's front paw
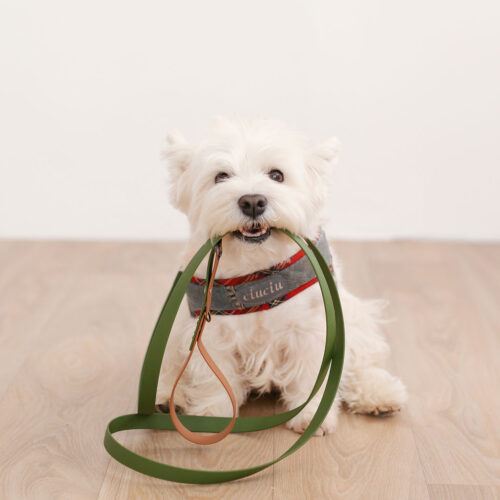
point(300, 422)
point(377, 393)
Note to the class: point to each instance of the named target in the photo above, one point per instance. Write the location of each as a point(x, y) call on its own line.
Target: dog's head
point(248, 177)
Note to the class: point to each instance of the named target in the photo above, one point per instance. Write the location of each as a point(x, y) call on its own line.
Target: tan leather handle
point(194, 437)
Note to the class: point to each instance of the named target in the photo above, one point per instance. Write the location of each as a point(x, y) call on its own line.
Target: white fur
point(280, 348)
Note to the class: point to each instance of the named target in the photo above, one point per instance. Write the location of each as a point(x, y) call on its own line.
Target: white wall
point(89, 89)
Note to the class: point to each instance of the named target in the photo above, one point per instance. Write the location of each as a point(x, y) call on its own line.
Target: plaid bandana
point(260, 290)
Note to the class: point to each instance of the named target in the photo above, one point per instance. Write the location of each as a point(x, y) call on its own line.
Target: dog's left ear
point(323, 156)
point(178, 154)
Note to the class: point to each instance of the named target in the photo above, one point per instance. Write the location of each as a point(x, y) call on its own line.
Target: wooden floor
point(75, 319)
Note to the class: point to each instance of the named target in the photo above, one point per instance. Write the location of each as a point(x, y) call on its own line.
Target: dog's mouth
point(255, 232)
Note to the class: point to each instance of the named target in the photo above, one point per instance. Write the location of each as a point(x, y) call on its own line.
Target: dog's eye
point(276, 175)
point(221, 176)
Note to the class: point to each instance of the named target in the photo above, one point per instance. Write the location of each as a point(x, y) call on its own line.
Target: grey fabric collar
point(260, 290)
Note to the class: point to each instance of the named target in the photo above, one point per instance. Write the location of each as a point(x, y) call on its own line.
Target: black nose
point(253, 204)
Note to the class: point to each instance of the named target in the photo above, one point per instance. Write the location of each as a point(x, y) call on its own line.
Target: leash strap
point(145, 418)
point(182, 429)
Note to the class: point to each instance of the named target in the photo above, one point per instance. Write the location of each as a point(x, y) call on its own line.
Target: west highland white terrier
point(245, 179)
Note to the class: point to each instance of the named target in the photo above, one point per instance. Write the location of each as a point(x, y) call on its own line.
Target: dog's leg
point(374, 391)
point(366, 387)
point(299, 370)
point(295, 395)
point(199, 391)
point(205, 393)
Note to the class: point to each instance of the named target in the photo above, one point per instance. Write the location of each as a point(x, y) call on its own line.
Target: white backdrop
point(89, 89)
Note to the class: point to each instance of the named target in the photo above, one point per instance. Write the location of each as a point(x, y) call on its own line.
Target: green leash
point(145, 418)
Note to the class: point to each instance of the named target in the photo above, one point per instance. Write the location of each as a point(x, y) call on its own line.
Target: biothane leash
point(219, 427)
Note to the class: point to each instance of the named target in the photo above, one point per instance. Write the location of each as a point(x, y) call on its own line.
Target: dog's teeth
point(248, 234)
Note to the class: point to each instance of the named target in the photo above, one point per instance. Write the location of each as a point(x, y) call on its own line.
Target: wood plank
point(443, 351)
point(82, 370)
point(75, 319)
point(463, 492)
point(12, 257)
point(365, 458)
point(31, 292)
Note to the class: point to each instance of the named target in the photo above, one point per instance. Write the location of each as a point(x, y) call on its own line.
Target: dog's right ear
point(178, 154)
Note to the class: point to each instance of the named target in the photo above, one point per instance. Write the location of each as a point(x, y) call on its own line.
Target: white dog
point(246, 178)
